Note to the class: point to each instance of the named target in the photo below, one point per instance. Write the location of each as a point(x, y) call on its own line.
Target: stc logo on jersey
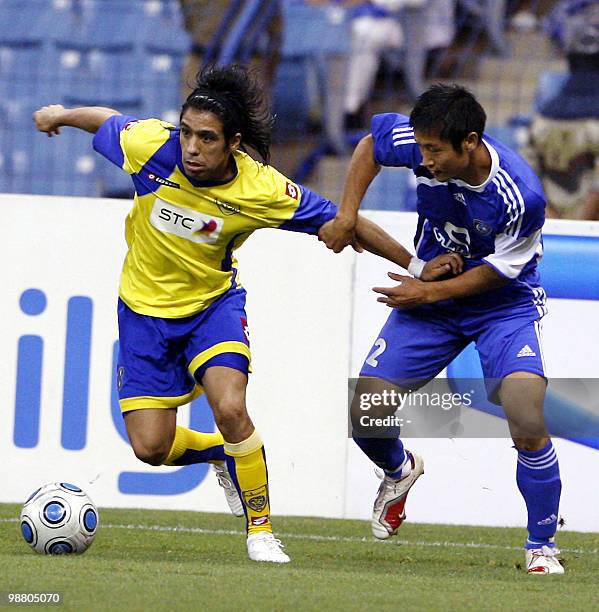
point(75, 417)
point(185, 223)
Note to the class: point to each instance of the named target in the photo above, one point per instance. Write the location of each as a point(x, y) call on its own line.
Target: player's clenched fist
point(48, 119)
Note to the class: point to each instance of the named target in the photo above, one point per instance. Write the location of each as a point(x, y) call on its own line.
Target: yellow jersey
point(182, 233)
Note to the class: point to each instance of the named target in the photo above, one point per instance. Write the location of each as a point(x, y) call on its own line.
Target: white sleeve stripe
point(510, 205)
point(512, 254)
point(404, 135)
point(518, 195)
point(396, 143)
point(403, 129)
point(423, 180)
point(515, 212)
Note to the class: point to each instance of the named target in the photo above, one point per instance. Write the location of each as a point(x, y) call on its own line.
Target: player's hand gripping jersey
point(182, 233)
point(497, 223)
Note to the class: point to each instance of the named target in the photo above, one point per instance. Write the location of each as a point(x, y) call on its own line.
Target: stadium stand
point(130, 55)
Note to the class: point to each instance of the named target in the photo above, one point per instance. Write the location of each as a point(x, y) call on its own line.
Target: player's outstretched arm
point(51, 118)
point(376, 240)
point(411, 292)
point(361, 172)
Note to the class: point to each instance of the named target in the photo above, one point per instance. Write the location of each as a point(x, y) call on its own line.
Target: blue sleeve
point(313, 211)
point(394, 143)
point(107, 140)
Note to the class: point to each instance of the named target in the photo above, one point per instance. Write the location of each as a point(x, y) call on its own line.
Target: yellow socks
point(248, 470)
point(191, 446)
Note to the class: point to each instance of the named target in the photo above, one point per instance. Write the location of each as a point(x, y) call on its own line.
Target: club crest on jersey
point(256, 499)
point(292, 191)
point(227, 208)
point(163, 181)
point(484, 229)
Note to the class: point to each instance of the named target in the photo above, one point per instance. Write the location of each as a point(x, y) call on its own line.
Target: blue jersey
point(497, 223)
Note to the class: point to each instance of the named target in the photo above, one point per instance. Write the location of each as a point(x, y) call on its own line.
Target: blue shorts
point(162, 361)
point(415, 345)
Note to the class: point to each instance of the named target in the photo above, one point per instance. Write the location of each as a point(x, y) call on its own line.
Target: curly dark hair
point(235, 96)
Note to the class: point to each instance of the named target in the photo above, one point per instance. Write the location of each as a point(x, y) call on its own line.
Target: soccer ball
point(59, 518)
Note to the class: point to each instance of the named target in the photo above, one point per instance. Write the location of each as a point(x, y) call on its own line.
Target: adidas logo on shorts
point(526, 351)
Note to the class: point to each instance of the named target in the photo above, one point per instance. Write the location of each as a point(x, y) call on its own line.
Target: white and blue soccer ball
point(59, 518)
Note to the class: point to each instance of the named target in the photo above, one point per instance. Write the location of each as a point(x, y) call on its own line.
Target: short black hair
point(237, 99)
point(450, 111)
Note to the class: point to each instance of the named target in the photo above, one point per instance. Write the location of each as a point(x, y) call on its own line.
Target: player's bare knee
point(230, 412)
point(151, 452)
point(531, 428)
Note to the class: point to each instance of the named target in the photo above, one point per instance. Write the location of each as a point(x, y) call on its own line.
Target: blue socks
point(538, 479)
point(386, 453)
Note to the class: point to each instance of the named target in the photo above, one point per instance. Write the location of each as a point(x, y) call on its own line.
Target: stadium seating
point(125, 55)
point(312, 38)
point(393, 189)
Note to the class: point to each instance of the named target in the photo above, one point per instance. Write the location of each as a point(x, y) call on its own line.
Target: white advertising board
point(312, 319)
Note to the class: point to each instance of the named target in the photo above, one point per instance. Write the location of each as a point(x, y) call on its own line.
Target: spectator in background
point(564, 136)
point(203, 20)
point(377, 29)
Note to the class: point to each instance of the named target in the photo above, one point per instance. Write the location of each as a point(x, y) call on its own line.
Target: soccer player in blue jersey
point(479, 199)
point(182, 321)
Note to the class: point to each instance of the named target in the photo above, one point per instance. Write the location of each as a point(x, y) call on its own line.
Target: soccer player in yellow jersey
point(182, 320)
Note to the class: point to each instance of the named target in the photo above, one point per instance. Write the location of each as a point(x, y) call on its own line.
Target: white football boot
point(226, 482)
point(389, 506)
point(263, 546)
point(543, 560)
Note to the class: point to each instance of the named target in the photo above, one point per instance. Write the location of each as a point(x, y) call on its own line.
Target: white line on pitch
point(323, 538)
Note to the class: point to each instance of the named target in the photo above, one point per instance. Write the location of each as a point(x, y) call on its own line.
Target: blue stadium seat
point(160, 23)
point(161, 71)
point(310, 29)
point(506, 134)
point(19, 67)
point(290, 101)
point(311, 36)
point(91, 23)
point(72, 163)
point(24, 21)
point(550, 83)
point(392, 189)
point(95, 71)
point(95, 174)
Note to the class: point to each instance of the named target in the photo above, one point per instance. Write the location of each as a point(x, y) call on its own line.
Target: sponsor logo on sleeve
point(130, 124)
point(246, 329)
point(292, 191)
point(163, 181)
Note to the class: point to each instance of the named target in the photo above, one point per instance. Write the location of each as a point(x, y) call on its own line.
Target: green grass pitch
point(167, 560)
